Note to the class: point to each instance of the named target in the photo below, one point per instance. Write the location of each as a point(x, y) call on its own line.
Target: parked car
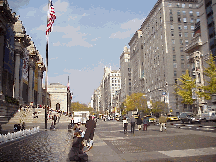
point(151, 119)
point(171, 117)
point(189, 117)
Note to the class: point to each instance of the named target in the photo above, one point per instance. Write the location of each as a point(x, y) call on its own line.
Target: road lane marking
point(190, 152)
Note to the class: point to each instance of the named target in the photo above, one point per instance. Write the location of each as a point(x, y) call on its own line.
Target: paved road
point(111, 144)
point(175, 144)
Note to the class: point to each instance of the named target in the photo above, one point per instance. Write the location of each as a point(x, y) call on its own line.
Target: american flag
point(50, 19)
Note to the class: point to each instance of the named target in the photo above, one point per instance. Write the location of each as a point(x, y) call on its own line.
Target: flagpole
point(67, 94)
point(47, 42)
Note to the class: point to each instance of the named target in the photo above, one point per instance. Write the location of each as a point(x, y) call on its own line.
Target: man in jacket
point(89, 133)
point(132, 124)
point(162, 121)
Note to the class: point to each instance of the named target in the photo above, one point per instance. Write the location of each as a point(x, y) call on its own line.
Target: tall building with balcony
point(157, 49)
point(125, 69)
point(199, 49)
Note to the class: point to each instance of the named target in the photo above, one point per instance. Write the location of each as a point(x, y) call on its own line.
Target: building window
point(185, 20)
point(197, 5)
point(185, 27)
point(180, 34)
point(179, 27)
point(178, 5)
point(172, 27)
point(192, 27)
point(179, 19)
point(175, 73)
point(183, 72)
point(171, 18)
point(173, 49)
point(173, 41)
point(192, 34)
point(197, 13)
point(190, 5)
point(178, 13)
point(182, 65)
point(181, 41)
point(191, 13)
point(182, 57)
point(184, 12)
point(181, 49)
point(172, 33)
point(174, 57)
point(186, 34)
point(170, 11)
point(192, 20)
point(198, 20)
point(186, 42)
point(174, 65)
point(169, 4)
point(183, 5)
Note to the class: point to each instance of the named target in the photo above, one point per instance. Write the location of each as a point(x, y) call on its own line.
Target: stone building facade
point(125, 70)
point(59, 97)
point(21, 65)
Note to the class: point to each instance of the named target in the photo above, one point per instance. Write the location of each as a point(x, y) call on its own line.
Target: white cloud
point(57, 44)
point(73, 33)
point(31, 12)
point(58, 6)
point(131, 27)
point(95, 39)
point(54, 58)
point(42, 28)
point(72, 18)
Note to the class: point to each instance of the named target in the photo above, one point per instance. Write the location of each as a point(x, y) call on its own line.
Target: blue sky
point(87, 36)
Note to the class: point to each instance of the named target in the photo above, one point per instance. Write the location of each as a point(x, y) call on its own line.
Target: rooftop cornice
point(5, 11)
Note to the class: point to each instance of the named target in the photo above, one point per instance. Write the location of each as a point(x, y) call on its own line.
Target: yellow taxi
point(171, 117)
point(151, 119)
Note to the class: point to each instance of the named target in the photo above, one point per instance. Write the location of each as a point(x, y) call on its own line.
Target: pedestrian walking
point(52, 126)
point(89, 133)
point(125, 124)
point(139, 122)
point(54, 118)
point(162, 122)
point(145, 123)
point(132, 124)
point(23, 126)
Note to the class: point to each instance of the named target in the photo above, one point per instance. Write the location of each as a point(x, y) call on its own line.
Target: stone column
point(30, 83)
point(2, 33)
point(16, 76)
point(39, 95)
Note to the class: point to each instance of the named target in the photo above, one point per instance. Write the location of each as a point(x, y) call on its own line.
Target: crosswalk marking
point(190, 152)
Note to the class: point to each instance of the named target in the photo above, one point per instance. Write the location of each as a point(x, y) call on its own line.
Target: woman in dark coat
point(76, 153)
point(139, 122)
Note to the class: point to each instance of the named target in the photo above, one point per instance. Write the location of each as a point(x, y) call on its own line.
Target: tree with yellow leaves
point(210, 87)
point(136, 101)
point(185, 88)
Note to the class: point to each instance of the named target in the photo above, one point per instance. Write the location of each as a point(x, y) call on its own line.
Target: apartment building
point(200, 47)
point(157, 49)
point(103, 97)
point(125, 70)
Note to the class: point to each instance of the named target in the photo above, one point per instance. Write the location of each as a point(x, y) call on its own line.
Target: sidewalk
point(102, 152)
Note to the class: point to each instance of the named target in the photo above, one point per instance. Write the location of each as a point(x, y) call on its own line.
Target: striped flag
point(50, 19)
point(68, 85)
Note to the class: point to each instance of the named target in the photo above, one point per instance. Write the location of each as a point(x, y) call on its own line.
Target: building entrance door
point(57, 106)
